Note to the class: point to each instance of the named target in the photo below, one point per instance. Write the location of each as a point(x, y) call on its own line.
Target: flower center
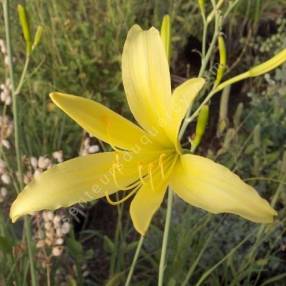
point(152, 173)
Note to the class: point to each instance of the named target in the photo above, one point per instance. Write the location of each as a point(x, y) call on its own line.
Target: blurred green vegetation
point(80, 53)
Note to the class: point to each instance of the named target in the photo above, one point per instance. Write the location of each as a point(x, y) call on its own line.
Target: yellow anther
point(150, 167)
point(161, 164)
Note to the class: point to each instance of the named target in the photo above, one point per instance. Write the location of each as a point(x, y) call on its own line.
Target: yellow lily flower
point(145, 159)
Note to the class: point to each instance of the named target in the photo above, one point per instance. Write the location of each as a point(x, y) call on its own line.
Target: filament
point(115, 203)
point(135, 184)
point(141, 177)
point(150, 166)
point(161, 164)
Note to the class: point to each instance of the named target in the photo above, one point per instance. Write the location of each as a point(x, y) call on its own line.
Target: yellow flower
point(145, 159)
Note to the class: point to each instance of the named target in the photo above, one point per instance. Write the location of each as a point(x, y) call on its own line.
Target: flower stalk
point(134, 261)
point(27, 228)
point(162, 265)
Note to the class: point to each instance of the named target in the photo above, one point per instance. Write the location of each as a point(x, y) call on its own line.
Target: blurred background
point(93, 244)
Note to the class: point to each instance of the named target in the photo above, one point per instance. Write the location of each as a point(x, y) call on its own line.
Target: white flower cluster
point(5, 92)
point(50, 228)
point(37, 165)
point(51, 232)
point(6, 129)
point(3, 51)
point(5, 180)
point(87, 147)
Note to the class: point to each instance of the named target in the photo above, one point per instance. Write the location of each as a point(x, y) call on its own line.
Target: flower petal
point(146, 202)
point(77, 180)
point(211, 186)
point(182, 98)
point(146, 79)
point(100, 121)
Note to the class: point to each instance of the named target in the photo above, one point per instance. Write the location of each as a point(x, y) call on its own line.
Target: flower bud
point(166, 35)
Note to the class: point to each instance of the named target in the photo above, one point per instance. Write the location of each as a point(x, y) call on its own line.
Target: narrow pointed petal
point(146, 78)
point(77, 180)
point(146, 202)
point(182, 98)
point(100, 121)
point(211, 186)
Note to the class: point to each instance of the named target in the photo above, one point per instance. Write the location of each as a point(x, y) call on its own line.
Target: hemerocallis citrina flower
point(146, 158)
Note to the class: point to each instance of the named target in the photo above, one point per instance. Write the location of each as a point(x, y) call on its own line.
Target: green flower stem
point(27, 227)
point(135, 258)
point(23, 75)
point(165, 238)
point(205, 60)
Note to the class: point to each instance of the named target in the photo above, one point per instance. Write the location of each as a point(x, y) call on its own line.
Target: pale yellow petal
point(146, 79)
point(146, 202)
point(100, 121)
point(211, 186)
point(182, 98)
point(77, 180)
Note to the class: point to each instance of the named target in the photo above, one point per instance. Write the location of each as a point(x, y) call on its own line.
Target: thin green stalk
point(24, 72)
point(16, 132)
point(205, 60)
point(165, 238)
point(134, 261)
point(117, 245)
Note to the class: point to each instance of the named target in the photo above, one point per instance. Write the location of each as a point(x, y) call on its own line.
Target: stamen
point(141, 177)
point(115, 203)
point(161, 164)
point(135, 184)
point(150, 167)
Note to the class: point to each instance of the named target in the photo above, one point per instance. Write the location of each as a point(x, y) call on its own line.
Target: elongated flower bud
point(202, 6)
point(37, 37)
point(269, 65)
point(166, 35)
point(200, 127)
point(222, 60)
point(258, 70)
point(25, 27)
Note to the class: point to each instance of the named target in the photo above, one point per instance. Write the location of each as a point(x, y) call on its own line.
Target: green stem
point(165, 238)
point(205, 60)
point(21, 81)
point(16, 131)
point(116, 254)
point(134, 261)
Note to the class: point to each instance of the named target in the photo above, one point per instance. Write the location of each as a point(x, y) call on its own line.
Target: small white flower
point(34, 162)
point(6, 143)
point(59, 241)
point(37, 173)
point(93, 149)
point(57, 250)
point(3, 192)
point(5, 179)
point(58, 155)
point(43, 162)
point(66, 228)
point(57, 220)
